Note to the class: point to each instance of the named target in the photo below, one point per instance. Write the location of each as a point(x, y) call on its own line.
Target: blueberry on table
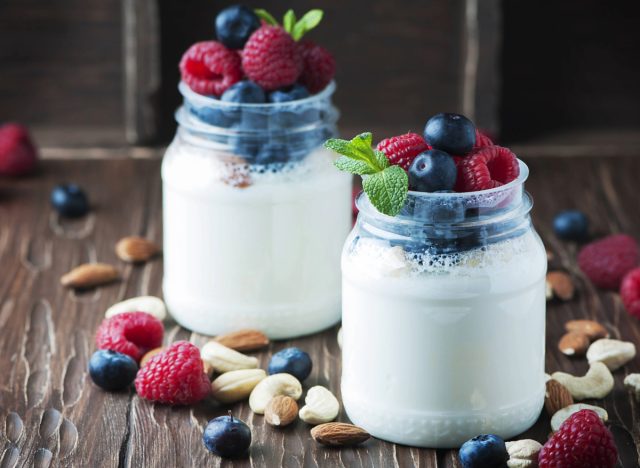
point(111, 370)
point(292, 361)
point(452, 133)
point(571, 225)
point(244, 91)
point(69, 200)
point(235, 24)
point(227, 436)
point(484, 451)
point(432, 171)
point(292, 93)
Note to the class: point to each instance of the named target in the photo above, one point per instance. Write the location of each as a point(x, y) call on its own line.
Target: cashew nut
point(613, 353)
point(562, 415)
point(320, 406)
point(632, 382)
point(149, 304)
point(272, 386)
point(523, 453)
point(597, 383)
point(225, 359)
point(340, 338)
point(236, 385)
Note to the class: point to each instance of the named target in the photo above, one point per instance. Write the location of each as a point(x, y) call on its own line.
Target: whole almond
point(556, 397)
point(574, 344)
point(135, 249)
point(281, 411)
point(89, 274)
point(244, 340)
point(561, 284)
point(590, 328)
point(337, 434)
point(150, 354)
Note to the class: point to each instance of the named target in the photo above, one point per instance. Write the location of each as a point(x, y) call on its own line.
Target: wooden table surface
point(52, 415)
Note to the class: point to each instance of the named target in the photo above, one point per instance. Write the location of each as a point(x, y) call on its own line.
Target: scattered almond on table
point(337, 434)
point(244, 340)
point(556, 397)
point(134, 249)
point(281, 411)
point(561, 285)
point(89, 275)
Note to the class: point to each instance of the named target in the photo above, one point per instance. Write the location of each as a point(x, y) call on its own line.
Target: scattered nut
point(149, 355)
point(632, 382)
point(272, 386)
point(337, 434)
point(149, 304)
point(556, 397)
point(281, 411)
point(89, 274)
point(574, 344)
point(236, 385)
point(225, 359)
point(523, 453)
point(548, 290)
point(590, 328)
point(613, 353)
point(208, 369)
point(321, 406)
point(244, 340)
point(134, 249)
point(597, 383)
point(339, 338)
point(561, 285)
point(563, 414)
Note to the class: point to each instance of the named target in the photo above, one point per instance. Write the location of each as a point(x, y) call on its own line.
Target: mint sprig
point(385, 185)
point(297, 28)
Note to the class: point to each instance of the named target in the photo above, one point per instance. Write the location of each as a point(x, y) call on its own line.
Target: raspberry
point(606, 261)
point(482, 141)
point(582, 441)
point(402, 150)
point(208, 67)
point(18, 155)
point(271, 58)
point(130, 333)
point(176, 376)
point(319, 66)
point(487, 168)
point(630, 292)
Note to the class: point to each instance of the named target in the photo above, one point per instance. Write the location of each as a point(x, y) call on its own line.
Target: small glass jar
point(444, 317)
point(255, 216)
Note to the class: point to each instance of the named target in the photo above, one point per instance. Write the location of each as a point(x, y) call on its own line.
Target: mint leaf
point(381, 159)
point(387, 189)
point(266, 16)
point(289, 21)
point(355, 167)
point(309, 20)
point(362, 141)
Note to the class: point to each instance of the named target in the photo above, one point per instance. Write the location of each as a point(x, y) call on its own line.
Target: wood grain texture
point(52, 415)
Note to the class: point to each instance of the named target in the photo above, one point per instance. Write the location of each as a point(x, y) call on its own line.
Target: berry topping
point(488, 168)
point(271, 58)
point(176, 376)
point(319, 66)
point(571, 225)
point(272, 153)
point(606, 261)
point(292, 361)
point(111, 370)
point(482, 141)
point(582, 441)
point(69, 200)
point(227, 436)
point(244, 91)
point(208, 67)
point(18, 155)
point(292, 93)
point(484, 451)
point(452, 133)
point(630, 292)
point(235, 24)
point(431, 171)
point(401, 150)
point(130, 333)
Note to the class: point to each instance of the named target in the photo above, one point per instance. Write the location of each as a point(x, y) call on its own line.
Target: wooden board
point(52, 415)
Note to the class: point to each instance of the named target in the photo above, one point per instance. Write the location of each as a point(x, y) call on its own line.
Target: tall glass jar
point(444, 317)
point(255, 216)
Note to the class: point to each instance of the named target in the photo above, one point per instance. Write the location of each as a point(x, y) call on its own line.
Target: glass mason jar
point(255, 216)
point(444, 317)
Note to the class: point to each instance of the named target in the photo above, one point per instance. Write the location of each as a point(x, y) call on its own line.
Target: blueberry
point(571, 225)
point(432, 171)
point(292, 361)
point(484, 451)
point(235, 24)
point(292, 93)
point(111, 370)
point(453, 133)
point(272, 153)
point(244, 91)
point(69, 200)
point(227, 436)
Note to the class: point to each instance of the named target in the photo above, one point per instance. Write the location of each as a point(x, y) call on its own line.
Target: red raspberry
point(18, 155)
point(176, 376)
point(630, 292)
point(319, 66)
point(487, 168)
point(208, 67)
point(607, 260)
point(130, 333)
point(482, 141)
point(402, 150)
point(582, 441)
point(271, 58)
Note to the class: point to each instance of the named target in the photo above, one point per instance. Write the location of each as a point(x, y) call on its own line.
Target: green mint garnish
point(266, 16)
point(385, 185)
point(297, 28)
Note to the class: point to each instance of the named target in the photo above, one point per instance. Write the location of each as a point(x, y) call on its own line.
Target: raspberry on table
point(630, 292)
point(319, 66)
point(175, 376)
point(18, 154)
point(487, 168)
point(606, 261)
point(401, 150)
point(130, 333)
point(210, 68)
point(583, 441)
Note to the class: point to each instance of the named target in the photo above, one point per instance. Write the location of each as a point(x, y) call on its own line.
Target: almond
point(281, 411)
point(337, 434)
point(556, 397)
point(136, 249)
point(150, 354)
point(574, 344)
point(561, 284)
point(89, 274)
point(244, 340)
point(590, 328)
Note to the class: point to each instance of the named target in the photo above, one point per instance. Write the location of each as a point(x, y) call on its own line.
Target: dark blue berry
point(272, 153)
point(69, 200)
point(432, 171)
point(292, 361)
point(571, 225)
point(227, 436)
point(235, 24)
point(484, 451)
point(293, 93)
point(111, 370)
point(452, 133)
point(244, 91)
point(225, 118)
